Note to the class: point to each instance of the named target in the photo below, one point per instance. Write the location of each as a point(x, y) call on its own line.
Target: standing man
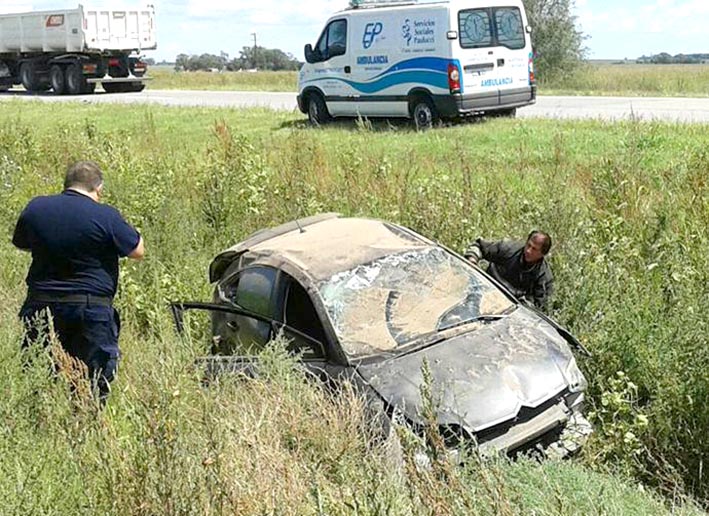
point(75, 243)
point(519, 266)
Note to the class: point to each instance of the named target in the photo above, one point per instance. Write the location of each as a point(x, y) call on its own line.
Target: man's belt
point(79, 299)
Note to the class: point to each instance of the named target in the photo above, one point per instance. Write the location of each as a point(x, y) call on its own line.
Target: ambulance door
point(332, 68)
point(495, 53)
point(512, 54)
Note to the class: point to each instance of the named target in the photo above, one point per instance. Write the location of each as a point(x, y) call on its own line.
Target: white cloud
point(266, 12)
point(15, 6)
point(675, 18)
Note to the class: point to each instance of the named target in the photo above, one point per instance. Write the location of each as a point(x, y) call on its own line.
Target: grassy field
point(165, 79)
point(627, 204)
point(593, 79)
point(634, 80)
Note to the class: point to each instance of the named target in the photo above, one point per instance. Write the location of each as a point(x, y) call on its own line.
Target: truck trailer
point(70, 51)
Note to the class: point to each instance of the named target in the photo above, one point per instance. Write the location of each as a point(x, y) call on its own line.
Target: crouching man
point(519, 266)
point(75, 243)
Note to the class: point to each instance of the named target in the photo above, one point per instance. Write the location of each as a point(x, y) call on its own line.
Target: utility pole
point(255, 47)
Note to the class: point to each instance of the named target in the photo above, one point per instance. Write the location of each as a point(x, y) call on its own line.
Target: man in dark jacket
point(75, 243)
point(519, 266)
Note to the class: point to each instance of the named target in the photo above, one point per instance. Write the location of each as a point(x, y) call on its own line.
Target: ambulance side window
point(337, 38)
point(333, 41)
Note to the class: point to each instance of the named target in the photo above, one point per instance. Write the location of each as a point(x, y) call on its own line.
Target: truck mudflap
point(456, 105)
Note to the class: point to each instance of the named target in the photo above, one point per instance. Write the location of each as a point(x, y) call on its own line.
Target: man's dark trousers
point(88, 331)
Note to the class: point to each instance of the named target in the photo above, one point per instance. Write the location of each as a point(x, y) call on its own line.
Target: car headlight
point(577, 381)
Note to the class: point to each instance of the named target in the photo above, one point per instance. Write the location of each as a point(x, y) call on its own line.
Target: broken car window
point(396, 300)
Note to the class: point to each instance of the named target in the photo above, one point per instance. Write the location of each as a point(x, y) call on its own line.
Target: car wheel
point(317, 110)
point(423, 113)
point(57, 79)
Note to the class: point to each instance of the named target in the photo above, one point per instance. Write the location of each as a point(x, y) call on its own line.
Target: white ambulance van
point(421, 60)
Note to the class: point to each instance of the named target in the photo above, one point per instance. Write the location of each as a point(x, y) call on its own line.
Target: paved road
point(606, 108)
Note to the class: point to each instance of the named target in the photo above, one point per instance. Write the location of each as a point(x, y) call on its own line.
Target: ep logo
point(371, 31)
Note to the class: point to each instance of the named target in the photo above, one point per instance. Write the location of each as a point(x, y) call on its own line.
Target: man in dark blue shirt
point(76, 243)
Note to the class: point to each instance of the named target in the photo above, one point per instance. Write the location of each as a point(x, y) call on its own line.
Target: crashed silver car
point(369, 302)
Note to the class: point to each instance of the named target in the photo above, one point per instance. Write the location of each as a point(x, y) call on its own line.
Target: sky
point(614, 29)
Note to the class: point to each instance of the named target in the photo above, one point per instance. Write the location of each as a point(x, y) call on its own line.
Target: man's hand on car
point(474, 254)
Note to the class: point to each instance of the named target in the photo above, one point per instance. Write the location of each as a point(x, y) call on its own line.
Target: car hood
point(480, 378)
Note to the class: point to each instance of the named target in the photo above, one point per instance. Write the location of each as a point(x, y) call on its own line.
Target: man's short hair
point(546, 240)
point(86, 175)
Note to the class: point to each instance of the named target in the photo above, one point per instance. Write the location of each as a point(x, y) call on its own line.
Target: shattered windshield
point(393, 301)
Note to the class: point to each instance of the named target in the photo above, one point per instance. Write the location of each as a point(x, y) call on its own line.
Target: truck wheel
point(423, 113)
point(317, 110)
point(57, 79)
point(75, 81)
point(30, 78)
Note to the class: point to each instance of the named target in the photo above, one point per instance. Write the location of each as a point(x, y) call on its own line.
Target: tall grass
point(626, 203)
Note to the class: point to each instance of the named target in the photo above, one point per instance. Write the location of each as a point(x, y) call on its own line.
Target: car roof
point(323, 245)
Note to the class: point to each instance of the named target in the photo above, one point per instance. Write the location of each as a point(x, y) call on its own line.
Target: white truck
point(70, 51)
point(420, 59)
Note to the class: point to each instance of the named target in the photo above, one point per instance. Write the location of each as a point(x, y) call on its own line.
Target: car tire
point(423, 113)
point(57, 79)
point(317, 110)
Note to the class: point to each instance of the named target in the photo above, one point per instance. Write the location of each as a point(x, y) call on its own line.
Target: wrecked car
point(370, 302)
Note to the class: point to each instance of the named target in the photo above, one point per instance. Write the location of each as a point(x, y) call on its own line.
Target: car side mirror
point(528, 28)
point(309, 54)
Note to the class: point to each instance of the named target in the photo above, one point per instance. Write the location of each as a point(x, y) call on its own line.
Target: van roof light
point(360, 4)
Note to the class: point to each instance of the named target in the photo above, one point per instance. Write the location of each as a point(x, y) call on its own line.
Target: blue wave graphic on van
point(435, 64)
point(418, 77)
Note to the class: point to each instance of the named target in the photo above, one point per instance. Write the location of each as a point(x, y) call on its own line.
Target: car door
point(252, 291)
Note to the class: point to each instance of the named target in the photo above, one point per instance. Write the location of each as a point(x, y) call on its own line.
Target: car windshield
point(396, 300)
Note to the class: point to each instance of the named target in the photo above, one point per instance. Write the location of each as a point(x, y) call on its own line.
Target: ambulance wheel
point(317, 110)
point(423, 113)
point(505, 113)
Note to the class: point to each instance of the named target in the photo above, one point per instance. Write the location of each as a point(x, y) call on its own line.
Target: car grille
point(525, 415)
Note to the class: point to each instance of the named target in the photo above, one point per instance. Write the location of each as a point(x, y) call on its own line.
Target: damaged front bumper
point(557, 432)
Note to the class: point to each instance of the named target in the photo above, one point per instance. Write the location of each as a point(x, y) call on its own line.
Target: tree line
point(558, 45)
point(250, 58)
point(665, 58)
